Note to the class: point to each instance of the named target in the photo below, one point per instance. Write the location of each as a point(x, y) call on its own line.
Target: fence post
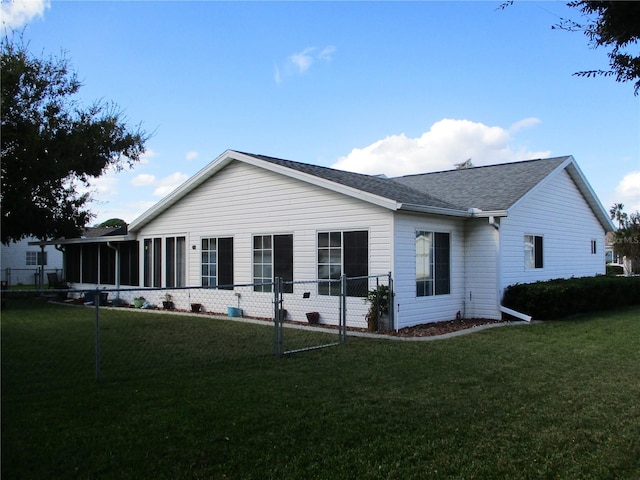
point(277, 320)
point(391, 303)
point(343, 308)
point(96, 301)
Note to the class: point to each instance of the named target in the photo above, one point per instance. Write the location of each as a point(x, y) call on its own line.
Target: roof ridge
point(478, 167)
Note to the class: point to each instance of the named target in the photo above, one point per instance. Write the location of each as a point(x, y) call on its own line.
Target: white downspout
point(520, 315)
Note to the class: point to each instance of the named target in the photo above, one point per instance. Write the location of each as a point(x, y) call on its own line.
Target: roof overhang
point(83, 240)
point(450, 212)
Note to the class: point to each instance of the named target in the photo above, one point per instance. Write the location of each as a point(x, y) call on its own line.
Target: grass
point(191, 398)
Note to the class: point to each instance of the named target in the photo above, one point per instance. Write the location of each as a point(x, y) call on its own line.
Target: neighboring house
point(452, 240)
point(626, 265)
point(21, 263)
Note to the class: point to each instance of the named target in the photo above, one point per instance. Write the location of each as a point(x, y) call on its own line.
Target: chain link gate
point(294, 337)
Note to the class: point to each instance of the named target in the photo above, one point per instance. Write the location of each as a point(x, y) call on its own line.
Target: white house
point(22, 263)
point(452, 240)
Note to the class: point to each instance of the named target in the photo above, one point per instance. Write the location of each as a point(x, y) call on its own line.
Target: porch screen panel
point(90, 264)
point(181, 261)
point(170, 247)
point(147, 262)
point(157, 262)
point(107, 265)
point(129, 263)
point(72, 262)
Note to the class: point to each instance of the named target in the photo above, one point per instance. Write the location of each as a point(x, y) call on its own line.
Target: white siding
point(481, 265)
point(14, 258)
point(557, 211)
point(242, 200)
point(410, 309)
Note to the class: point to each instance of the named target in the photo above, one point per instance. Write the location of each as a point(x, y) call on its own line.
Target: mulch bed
point(441, 328)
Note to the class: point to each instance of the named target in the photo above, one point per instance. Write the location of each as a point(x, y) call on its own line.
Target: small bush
point(561, 298)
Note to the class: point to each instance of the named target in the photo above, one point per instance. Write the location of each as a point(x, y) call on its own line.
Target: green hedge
point(561, 298)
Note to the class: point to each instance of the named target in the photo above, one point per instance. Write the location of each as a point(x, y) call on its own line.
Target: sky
point(388, 88)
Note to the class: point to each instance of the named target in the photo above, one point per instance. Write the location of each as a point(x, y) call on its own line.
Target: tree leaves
point(52, 147)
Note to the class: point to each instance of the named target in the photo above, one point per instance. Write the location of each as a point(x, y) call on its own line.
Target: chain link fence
point(119, 334)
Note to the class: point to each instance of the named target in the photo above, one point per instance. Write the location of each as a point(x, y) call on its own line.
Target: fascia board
point(76, 241)
point(434, 210)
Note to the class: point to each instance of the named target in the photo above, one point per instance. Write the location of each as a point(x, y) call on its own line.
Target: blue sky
point(374, 87)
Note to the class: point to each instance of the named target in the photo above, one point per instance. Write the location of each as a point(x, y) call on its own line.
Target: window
point(433, 264)
point(272, 257)
point(343, 252)
point(217, 263)
point(594, 244)
point(35, 258)
point(152, 262)
point(533, 255)
point(175, 262)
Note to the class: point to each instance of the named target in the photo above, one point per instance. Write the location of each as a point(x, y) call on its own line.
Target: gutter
point(521, 316)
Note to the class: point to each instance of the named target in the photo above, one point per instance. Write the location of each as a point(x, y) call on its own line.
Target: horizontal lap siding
point(242, 200)
point(481, 260)
point(413, 310)
point(559, 213)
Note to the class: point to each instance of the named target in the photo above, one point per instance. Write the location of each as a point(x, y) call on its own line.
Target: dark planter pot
point(313, 317)
point(168, 305)
point(196, 307)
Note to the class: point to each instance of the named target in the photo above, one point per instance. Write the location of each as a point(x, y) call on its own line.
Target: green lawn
point(195, 398)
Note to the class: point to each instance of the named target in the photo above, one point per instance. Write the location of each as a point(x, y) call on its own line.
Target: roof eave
point(450, 212)
point(83, 240)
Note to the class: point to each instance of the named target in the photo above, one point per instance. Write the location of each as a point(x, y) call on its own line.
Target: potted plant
point(196, 307)
point(235, 311)
point(167, 303)
point(138, 302)
point(378, 308)
point(313, 317)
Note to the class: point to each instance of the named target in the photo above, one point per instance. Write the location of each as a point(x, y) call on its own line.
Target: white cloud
point(143, 180)
point(445, 144)
point(169, 184)
point(192, 155)
point(326, 53)
point(524, 123)
point(105, 185)
point(628, 192)
point(147, 156)
point(300, 63)
point(16, 13)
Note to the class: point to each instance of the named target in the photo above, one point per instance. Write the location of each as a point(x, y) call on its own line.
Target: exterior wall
point(14, 258)
point(242, 200)
point(410, 309)
point(557, 211)
point(481, 267)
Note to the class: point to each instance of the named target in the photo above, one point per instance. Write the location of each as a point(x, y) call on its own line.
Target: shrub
point(561, 298)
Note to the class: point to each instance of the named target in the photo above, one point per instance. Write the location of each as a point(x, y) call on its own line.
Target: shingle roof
point(489, 188)
point(493, 187)
point(383, 187)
